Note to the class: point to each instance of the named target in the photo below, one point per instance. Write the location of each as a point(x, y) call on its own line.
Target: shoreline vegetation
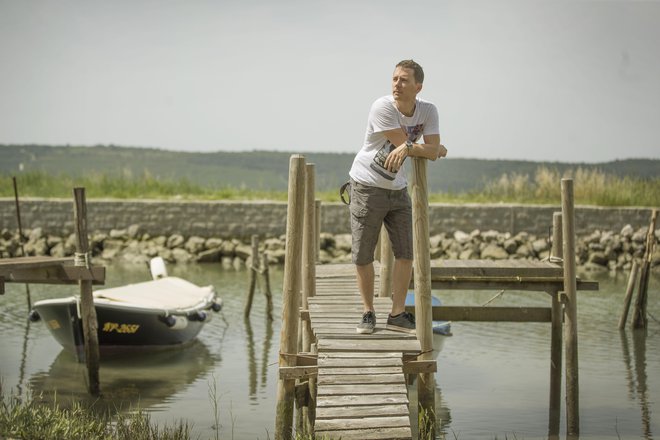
point(592, 187)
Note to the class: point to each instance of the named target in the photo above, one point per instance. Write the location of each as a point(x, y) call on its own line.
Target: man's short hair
point(416, 68)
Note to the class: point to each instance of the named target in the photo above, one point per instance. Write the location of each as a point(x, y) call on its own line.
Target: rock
point(213, 243)
point(209, 256)
point(6, 234)
point(161, 240)
point(436, 241)
point(491, 236)
point(540, 245)
point(58, 250)
point(120, 234)
point(272, 244)
point(36, 234)
point(133, 231)
point(598, 247)
point(181, 255)
point(598, 258)
point(461, 237)
point(655, 258)
point(640, 235)
point(494, 252)
point(468, 254)
point(593, 267)
point(436, 252)
point(324, 257)
point(175, 241)
point(593, 238)
point(276, 255)
point(195, 245)
point(343, 242)
point(510, 246)
point(53, 240)
point(524, 250)
point(243, 251)
point(627, 231)
point(228, 249)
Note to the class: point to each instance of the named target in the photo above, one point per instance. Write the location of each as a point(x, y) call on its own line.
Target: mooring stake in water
point(89, 322)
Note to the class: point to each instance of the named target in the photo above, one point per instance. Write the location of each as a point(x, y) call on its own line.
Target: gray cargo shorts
point(371, 207)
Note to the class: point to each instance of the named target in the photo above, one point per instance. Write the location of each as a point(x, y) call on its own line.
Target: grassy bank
point(592, 187)
point(29, 419)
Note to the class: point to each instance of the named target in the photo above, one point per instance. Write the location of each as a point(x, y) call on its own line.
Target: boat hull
point(119, 328)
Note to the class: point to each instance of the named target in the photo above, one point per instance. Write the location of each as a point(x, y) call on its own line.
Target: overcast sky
point(538, 80)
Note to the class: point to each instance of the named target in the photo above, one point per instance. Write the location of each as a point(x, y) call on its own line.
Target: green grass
point(591, 187)
point(29, 419)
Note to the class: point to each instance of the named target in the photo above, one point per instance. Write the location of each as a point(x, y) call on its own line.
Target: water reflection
point(128, 380)
point(636, 375)
point(252, 357)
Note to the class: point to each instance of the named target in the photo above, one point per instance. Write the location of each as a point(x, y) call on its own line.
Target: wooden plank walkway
point(361, 387)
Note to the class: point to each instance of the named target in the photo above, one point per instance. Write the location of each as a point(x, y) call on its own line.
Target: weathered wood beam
point(292, 373)
point(490, 314)
point(526, 284)
point(54, 275)
point(422, 366)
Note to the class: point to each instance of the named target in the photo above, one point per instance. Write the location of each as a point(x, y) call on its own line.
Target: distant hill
point(268, 169)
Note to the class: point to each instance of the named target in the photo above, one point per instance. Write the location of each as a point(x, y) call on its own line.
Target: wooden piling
point(317, 234)
point(570, 307)
point(630, 289)
point(555, 336)
point(290, 297)
point(639, 319)
point(266, 285)
point(309, 251)
point(89, 322)
point(21, 239)
point(253, 273)
point(422, 273)
point(386, 264)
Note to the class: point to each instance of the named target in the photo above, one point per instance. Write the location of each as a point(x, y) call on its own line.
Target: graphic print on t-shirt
point(378, 165)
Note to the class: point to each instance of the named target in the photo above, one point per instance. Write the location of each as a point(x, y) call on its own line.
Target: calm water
point(493, 379)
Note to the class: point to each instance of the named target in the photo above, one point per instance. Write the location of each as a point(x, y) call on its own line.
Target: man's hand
point(442, 152)
point(394, 160)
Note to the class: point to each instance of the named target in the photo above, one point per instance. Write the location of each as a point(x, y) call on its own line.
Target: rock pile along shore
point(599, 251)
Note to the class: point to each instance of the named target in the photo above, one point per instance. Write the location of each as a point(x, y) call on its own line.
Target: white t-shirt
point(368, 165)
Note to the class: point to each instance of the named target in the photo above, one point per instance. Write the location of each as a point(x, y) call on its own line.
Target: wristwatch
point(409, 146)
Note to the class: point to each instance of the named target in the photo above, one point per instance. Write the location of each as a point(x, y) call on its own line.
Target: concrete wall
point(242, 219)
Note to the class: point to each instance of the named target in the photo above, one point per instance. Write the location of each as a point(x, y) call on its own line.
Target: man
point(378, 190)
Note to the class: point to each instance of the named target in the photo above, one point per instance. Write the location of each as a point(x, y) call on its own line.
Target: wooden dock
point(361, 387)
point(351, 386)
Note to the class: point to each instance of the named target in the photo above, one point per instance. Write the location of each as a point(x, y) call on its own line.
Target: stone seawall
point(227, 219)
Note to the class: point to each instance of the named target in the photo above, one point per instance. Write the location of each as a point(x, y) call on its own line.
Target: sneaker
point(403, 322)
point(367, 324)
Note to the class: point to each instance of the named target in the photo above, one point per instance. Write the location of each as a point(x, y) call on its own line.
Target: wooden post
point(317, 234)
point(89, 322)
point(290, 297)
point(266, 283)
point(386, 264)
point(308, 252)
point(639, 319)
point(20, 238)
point(630, 289)
point(308, 270)
point(570, 289)
point(555, 337)
point(254, 270)
point(422, 271)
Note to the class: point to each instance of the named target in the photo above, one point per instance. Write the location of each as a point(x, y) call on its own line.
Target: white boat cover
point(169, 293)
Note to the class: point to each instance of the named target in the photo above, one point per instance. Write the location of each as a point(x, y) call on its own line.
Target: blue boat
point(439, 327)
